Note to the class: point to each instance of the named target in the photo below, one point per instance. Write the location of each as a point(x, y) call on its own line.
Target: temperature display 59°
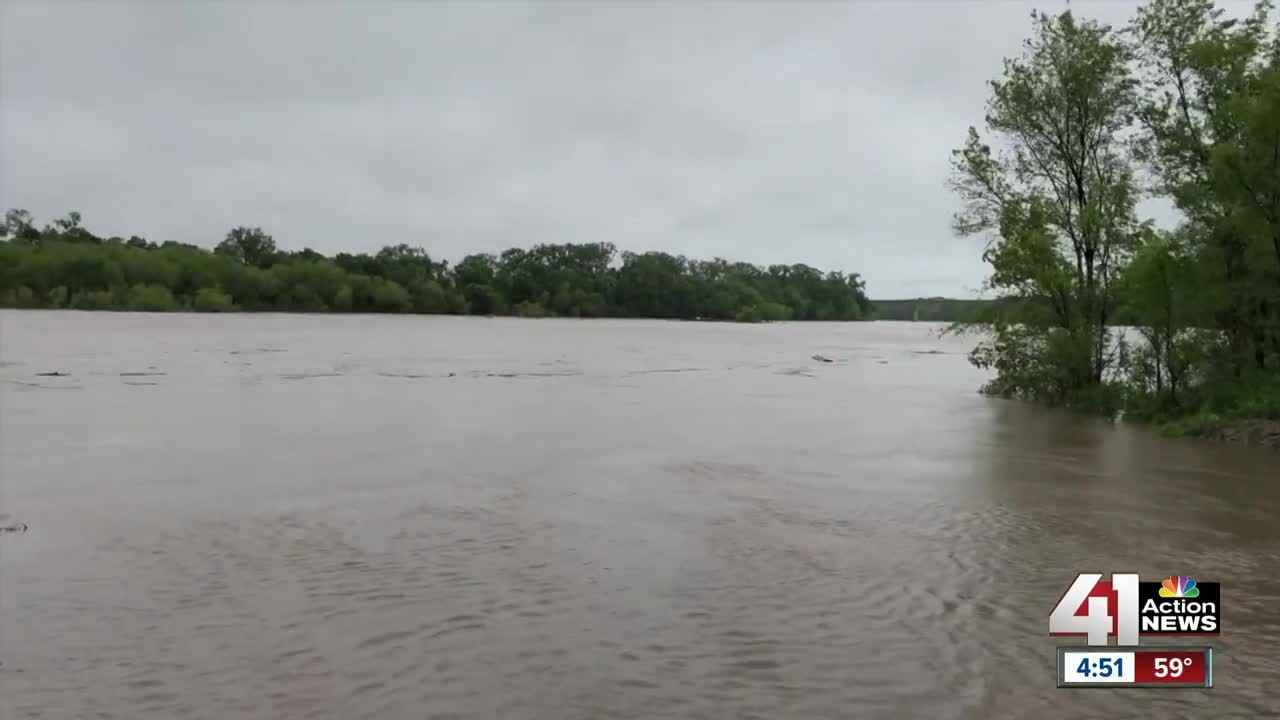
point(1190, 666)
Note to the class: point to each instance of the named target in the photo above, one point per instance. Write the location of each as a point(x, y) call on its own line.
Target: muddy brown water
point(405, 517)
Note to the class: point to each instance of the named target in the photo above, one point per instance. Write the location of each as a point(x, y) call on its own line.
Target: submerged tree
point(1057, 196)
point(1191, 99)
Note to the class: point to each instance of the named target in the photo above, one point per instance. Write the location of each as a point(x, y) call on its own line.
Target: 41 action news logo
point(1125, 608)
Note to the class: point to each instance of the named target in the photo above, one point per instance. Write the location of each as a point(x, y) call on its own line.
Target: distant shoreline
point(63, 265)
point(335, 313)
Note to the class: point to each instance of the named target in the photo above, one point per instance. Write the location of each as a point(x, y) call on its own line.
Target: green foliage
point(250, 246)
point(95, 300)
point(212, 300)
point(1219, 407)
point(388, 296)
point(1192, 99)
point(428, 296)
point(152, 298)
point(1059, 202)
point(1262, 401)
point(1197, 425)
point(530, 310)
point(19, 297)
point(66, 266)
point(1211, 131)
point(456, 302)
point(764, 312)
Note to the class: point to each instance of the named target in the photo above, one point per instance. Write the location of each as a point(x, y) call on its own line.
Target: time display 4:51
point(1097, 667)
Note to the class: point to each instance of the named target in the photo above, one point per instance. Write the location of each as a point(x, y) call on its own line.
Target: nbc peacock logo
point(1179, 586)
point(1178, 605)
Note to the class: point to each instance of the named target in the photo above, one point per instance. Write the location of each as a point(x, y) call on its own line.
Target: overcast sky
point(763, 132)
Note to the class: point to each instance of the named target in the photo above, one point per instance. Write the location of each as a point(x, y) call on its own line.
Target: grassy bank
point(1252, 417)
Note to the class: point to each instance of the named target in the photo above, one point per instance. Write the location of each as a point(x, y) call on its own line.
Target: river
point(275, 516)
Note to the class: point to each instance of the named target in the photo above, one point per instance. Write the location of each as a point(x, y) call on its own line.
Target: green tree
point(1211, 116)
point(146, 268)
point(213, 300)
point(152, 298)
point(250, 246)
point(1159, 287)
point(389, 296)
point(1058, 196)
point(19, 225)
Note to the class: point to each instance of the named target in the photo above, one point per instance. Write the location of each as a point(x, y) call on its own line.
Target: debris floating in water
point(13, 528)
point(55, 373)
point(822, 358)
point(797, 372)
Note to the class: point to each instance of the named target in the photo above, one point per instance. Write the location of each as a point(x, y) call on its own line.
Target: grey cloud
point(764, 132)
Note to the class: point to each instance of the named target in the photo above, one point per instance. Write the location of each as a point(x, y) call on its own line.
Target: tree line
point(1182, 104)
point(63, 265)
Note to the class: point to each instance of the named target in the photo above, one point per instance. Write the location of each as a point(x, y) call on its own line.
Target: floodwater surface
point(268, 516)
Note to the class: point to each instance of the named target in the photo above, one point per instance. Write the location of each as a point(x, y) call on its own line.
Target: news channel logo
point(1126, 608)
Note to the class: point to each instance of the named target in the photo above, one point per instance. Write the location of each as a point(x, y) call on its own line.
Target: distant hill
point(936, 309)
